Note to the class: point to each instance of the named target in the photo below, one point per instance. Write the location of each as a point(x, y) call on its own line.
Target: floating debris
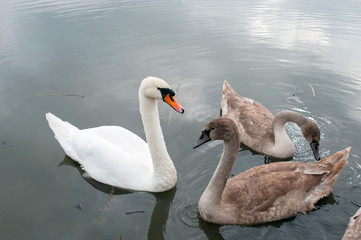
point(101, 218)
point(313, 90)
point(356, 203)
point(79, 206)
point(136, 229)
point(3, 142)
point(132, 212)
point(296, 93)
point(65, 95)
point(170, 111)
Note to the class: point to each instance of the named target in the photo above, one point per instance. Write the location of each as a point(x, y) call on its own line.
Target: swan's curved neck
point(162, 163)
point(282, 141)
point(213, 193)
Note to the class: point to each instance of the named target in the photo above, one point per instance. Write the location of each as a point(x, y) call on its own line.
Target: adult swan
point(115, 156)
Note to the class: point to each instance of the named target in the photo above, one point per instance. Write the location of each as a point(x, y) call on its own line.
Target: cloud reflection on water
point(282, 28)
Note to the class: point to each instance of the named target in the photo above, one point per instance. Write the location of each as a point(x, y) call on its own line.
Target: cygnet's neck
point(212, 195)
point(164, 171)
point(283, 143)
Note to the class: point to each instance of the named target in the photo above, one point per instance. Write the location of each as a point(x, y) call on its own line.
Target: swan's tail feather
point(335, 163)
point(339, 161)
point(228, 90)
point(62, 131)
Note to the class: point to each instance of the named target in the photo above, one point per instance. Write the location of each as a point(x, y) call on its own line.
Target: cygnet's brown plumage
point(265, 193)
point(263, 132)
point(353, 231)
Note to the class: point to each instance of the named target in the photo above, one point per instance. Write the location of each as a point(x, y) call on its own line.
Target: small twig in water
point(64, 95)
point(79, 206)
point(356, 203)
point(170, 111)
point(101, 218)
point(313, 90)
point(131, 212)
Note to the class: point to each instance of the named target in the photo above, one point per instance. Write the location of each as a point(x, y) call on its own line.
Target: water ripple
point(187, 216)
point(65, 8)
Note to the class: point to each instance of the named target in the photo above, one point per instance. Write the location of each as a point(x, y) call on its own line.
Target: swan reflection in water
point(163, 201)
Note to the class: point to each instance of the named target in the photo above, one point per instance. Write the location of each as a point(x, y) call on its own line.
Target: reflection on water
point(277, 25)
point(163, 201)
point(302, 56)
point(66, 8)
point(157, 226)
point(67, 161)
point(189, 216)
point(212, 231)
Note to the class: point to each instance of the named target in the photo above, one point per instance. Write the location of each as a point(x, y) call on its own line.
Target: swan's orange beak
point(173, 103)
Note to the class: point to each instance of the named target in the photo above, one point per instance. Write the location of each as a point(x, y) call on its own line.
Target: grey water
point(83, 60)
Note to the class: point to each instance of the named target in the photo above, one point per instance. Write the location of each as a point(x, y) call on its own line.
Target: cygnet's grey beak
point(314, 146)
point(202, 139)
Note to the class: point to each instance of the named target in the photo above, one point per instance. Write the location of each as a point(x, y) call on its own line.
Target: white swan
point(263, 132)
point(265, 193)
point(115, 156)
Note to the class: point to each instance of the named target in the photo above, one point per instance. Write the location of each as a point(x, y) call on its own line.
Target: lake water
point(83, 60)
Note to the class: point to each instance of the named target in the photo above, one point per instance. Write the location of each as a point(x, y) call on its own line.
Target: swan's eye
point(166, 91)
point(208, 132)
point(202, 136)
point(315, 143)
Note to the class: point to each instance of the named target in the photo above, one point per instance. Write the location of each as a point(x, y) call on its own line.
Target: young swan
point(115, 156)
point(263, 132)
point(265, 193)
point(353, 231)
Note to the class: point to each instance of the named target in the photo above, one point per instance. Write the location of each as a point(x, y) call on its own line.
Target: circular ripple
point(188, 216)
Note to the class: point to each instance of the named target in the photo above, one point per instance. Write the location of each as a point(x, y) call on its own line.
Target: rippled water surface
point(83, 60)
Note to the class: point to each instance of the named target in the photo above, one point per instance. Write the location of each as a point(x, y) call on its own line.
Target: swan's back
point(109, 154)
point(263, 132)
point(128, 165)
point(353, 231)
point(253, 120)
point(279, 190)
point(62, 132)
